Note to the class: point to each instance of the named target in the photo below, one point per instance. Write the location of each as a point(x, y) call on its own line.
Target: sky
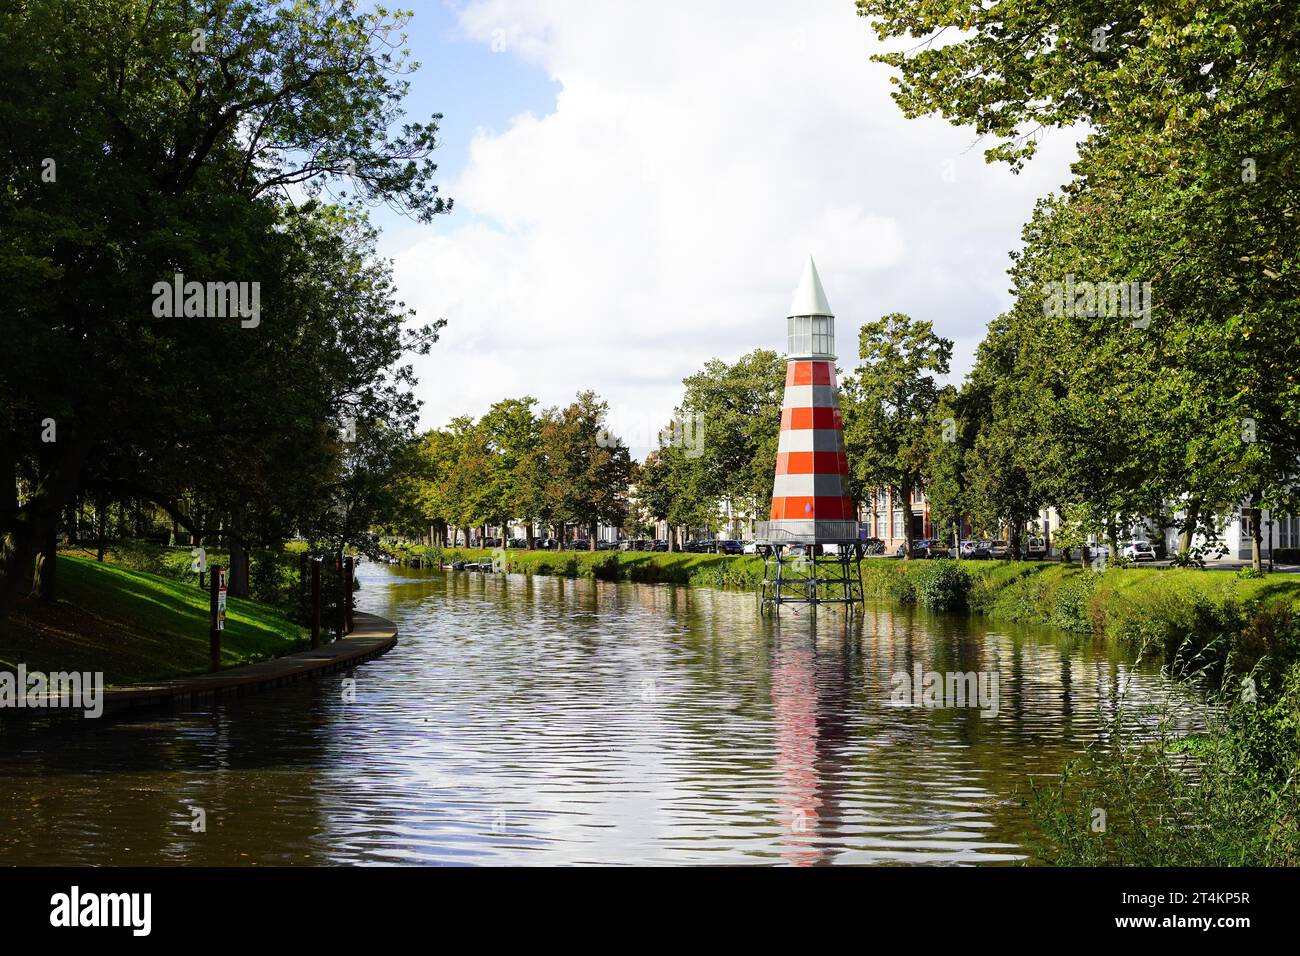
point(637, 188)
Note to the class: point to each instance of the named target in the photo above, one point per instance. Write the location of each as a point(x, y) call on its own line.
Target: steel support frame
point(811, 576)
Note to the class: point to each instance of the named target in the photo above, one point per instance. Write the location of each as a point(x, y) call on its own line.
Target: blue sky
point(472, 86)
point(636, 194)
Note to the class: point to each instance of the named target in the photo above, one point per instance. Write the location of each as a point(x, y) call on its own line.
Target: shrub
point(605, 568)
point(942, 585)
point(1072, 602)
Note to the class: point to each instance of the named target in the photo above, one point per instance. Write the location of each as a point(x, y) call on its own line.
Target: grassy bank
point(135, 626)
point(701, 570)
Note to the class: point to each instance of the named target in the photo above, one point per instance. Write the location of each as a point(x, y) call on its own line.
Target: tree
point(669, 487)
point(169, 154)
point(944, 471)
point(511, 435)
point(888, 404)
point(729, 423)
point(587, 468)
point(1185, 181)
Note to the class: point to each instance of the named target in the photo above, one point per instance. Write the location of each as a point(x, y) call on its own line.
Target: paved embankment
point(371, 637)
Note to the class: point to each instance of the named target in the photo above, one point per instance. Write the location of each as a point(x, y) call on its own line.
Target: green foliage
point(175, 158)
point(560, 467)
point(941, 585)
point(1228, 797)
point(889, 405)
point(1193, 118)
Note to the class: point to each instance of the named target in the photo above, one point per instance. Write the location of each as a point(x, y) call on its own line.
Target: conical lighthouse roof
point(810, 297)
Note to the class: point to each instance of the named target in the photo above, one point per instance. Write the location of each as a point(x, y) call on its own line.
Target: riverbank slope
point(136, 626)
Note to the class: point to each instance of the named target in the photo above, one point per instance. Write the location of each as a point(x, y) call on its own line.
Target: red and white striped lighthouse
point(810, 503)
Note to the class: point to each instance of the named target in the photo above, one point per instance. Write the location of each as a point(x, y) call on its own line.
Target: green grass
point(708, 570)
point(136, 626)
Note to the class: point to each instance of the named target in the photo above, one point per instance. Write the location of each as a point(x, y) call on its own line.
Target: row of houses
point(883, 518)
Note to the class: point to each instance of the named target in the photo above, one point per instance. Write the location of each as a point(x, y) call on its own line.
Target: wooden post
point(215, 623)
point(315, 602)
point(347, 594)
point(340, 624)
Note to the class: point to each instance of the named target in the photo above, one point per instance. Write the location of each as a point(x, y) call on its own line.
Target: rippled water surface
point(555, 721)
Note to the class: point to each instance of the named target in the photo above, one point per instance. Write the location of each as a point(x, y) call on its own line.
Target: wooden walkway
point(372, 636)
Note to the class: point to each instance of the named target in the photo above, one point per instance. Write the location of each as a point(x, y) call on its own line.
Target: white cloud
point(660, 215)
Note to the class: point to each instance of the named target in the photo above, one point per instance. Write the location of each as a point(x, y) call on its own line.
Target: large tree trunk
point(25, 530)
point(591, 536)
point(1189, 527)
point(1256, 536)
point(905, 492)
point(529, 540)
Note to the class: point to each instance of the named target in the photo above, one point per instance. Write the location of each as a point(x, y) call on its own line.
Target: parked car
point(999, 551)
point(606, 545)
point(634, 544)
point(1035, 548)
point(749, 547)
point(920, 549)
point(517, 543)
point(659, 544)
point(1139, 551)
point(974, 550)
point(580, 544)
point(549, 544)
point(731, 546)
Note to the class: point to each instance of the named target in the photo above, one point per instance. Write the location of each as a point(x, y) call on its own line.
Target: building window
point(898, 524)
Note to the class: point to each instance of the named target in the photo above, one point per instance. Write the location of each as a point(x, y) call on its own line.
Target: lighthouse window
point(823, 334)
point(800, 334)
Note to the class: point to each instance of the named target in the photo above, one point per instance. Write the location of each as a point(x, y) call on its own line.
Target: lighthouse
point(811, 506)
point(810, 501)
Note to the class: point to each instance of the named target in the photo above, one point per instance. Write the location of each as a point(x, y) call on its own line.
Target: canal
point(548, 720)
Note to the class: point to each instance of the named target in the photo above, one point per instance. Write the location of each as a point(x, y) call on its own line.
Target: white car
point(1139, 551)
point(749, 548)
